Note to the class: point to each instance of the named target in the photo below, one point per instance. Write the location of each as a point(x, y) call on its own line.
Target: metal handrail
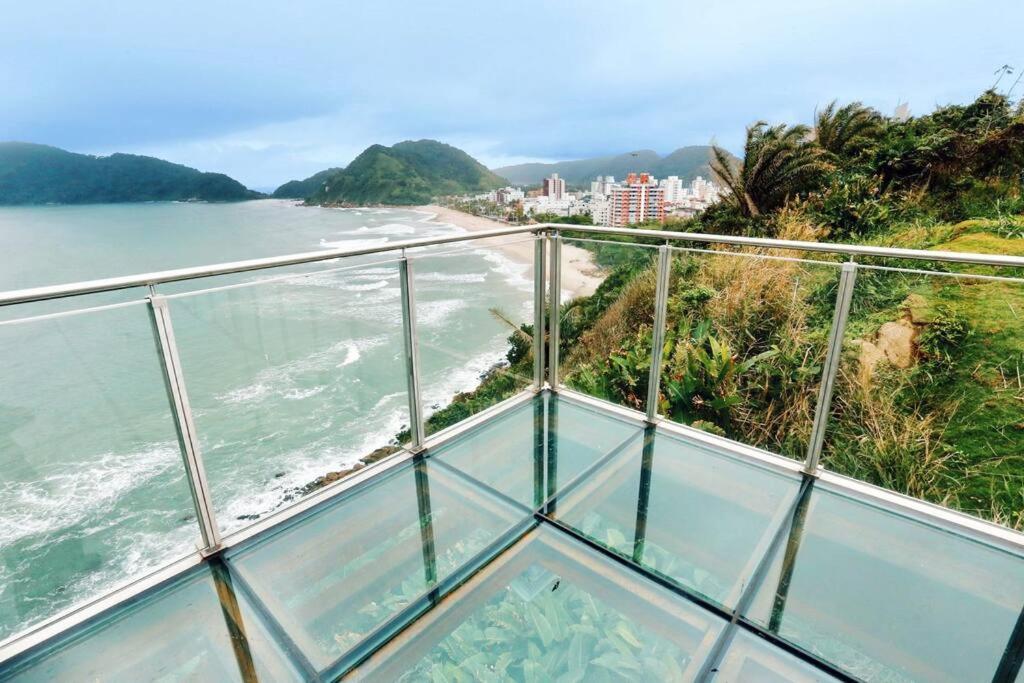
point(20, 296)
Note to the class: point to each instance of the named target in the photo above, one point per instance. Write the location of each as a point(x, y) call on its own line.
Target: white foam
point(89, 486)
point(466, 278)
point(353, 244)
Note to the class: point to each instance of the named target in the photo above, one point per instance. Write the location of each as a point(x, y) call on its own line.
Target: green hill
point(40, 174)
point(300, 189)
point(408, 173)
point(685, 162)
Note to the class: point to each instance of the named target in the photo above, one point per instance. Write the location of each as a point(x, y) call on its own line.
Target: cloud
point(269, 91)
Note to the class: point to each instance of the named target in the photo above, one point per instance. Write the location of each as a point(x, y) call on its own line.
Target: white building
point(602, 185)
point(508, 195)
point(554, 187)
point(673, 188)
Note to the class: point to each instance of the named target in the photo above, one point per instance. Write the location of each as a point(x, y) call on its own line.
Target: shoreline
point(580, 275)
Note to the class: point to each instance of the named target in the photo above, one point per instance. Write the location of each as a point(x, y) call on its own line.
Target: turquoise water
point(291, 374)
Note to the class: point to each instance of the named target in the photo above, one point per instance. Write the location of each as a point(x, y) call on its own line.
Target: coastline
point(580, 275)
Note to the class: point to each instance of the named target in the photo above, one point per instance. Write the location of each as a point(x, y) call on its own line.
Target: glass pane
point(199, 628)
point(474, 325)
point(888, 598)
point(749, 659)
point(293, 383)
point(929, 398)
point(550, 609)
point(331, 578)
point(745, 341)
point(698, 517)
point(512, 455)
point(91, 477)
point(605, 331)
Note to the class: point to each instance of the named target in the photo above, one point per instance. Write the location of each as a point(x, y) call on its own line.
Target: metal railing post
point(658, 334)
point(539, 268)
point(822, 411)
point(188, 439)
point(555, 298)
point(417, 428)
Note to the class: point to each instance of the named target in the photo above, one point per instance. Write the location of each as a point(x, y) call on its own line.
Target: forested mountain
point(40, 174)
point(300, 189)
point(407, 173)
point(685, 162)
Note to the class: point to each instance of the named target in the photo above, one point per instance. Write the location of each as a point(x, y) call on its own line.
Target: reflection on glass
point(605, 339)
point(888, 598)
point(92, 484)
point(335, 576)
point(745, 340)
point(749, 659)
point(293, 382)
point(928, 396)
point(550, 609)
point(509, 453)
point(474, 318)
point(197, 628)
point(697, 517)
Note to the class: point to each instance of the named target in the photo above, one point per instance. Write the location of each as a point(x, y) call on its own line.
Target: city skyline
point(267, 93)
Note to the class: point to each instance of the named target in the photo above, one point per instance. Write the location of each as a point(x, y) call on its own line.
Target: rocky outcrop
point(895, 342)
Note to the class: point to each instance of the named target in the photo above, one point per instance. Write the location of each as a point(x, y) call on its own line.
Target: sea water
point(291, 374)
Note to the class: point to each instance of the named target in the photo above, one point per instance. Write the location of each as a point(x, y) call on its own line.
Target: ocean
point(291, 374)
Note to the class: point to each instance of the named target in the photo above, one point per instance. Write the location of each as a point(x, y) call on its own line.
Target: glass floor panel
point(659, 558)
point(886, 597)
point(527, 453)
point(550, 609)
point(334, 578)
point(198, 627)
point(697, 517)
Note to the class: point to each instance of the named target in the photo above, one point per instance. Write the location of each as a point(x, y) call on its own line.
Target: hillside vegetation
point(685, 162)
point(39, 174)
point(930, 396)
point(408, 173)
point(300, 189)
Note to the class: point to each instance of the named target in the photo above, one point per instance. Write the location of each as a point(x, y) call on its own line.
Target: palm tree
point(847, 131)
point(778, 162)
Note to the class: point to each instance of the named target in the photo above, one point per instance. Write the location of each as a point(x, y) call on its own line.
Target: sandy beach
point(580, 275)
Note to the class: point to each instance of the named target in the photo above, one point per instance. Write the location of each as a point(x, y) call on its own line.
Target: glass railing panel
point(474, 326)
point(532, 451)
point(92, 483)
point(886, 597)
point(332, 578)
point(929, 396)
point(607, 316)
point(198, 628)
point(295, 381)
point(745, 343)
point(551, 609)
point(684, 510)
point(750, 659)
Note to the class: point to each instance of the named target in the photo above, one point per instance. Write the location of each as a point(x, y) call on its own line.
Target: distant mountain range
point(40, 174)
point(685, 162)
point(408, 173)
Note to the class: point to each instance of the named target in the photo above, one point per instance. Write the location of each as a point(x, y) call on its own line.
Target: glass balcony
point(657, 556)
point(547, 533)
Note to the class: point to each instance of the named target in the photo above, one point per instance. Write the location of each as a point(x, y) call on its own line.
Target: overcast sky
point(271, 91)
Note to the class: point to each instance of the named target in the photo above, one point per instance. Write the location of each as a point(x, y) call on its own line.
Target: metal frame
point(555, 298)
point(658, 333)
point(547, 239)
point(539, 272)
point(822, 410)
point(188, 439)
point(417, 426)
